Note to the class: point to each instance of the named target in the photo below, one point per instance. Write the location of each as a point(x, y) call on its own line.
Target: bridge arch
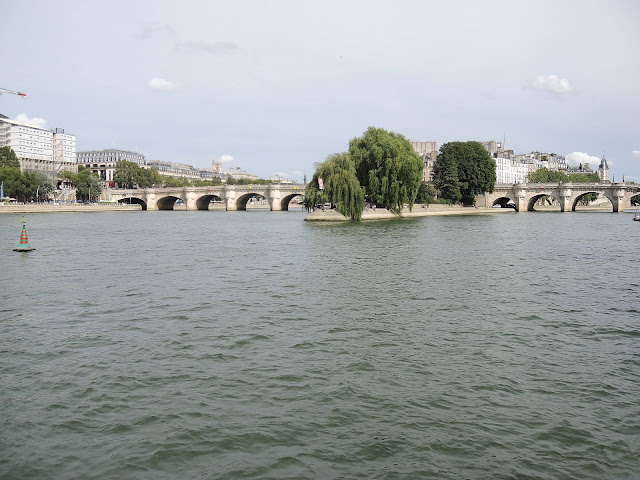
point(133, 201)
point(575, 201)
point(242, 200)
point(504, 202)
point(539, 196)
point(168, 202)
point(286, 200)
point(203, 202)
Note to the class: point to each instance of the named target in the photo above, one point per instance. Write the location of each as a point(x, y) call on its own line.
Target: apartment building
point(39, 149)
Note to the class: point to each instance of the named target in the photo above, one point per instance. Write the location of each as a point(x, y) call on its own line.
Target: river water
point(230, 345)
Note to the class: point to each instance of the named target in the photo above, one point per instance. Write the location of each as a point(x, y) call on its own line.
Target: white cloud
point(162, 85)
point(636, 153)
point(226, 159)
point(217, 49)
point(577, 158)
point(552, 84)
point(24, 118)
point(151, 29)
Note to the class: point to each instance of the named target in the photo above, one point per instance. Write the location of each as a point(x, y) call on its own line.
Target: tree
point(470, 164)
point(544, 175)
point(8, 158)
point(175, 182)
point(24, 186)
point(341, 186)
point(45, 185)
point(445, 178)
point(583, 178)
point(208, 182)
point(127, 174)
point(426, 193)
point(387, 167)
point(13, 184)
point(148, 177)
point(87, 183)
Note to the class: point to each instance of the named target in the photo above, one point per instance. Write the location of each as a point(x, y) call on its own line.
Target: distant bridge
point(234, 197)
point(523, 196)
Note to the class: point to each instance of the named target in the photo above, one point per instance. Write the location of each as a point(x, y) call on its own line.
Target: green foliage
point(148, 177)
point(127, 174)
point(87, 183)
point(341, 186)
point(387, 167)
point(15, 185)
point(464, 170)
point(584, 177)
point(207, 183)
point(175, 182)
point(247, 181)
point(27, 186)
point(45, 183)
point(8, 158)
point(426, 193)
point(588, 198)
point(445, 172)
point(544, 175)
point(635, 200)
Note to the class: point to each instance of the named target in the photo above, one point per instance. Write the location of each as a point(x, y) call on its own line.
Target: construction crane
point(3, 90)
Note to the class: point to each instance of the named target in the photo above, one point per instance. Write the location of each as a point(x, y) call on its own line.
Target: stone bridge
point(235, 197)
point(523, 196)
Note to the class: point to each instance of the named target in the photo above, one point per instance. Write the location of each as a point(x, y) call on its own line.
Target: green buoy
point(24, 246)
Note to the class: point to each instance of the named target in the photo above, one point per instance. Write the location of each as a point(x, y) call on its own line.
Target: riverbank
point(329, 215)
point(49, 208)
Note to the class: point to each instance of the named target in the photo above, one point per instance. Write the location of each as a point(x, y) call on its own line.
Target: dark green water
point(216, 345)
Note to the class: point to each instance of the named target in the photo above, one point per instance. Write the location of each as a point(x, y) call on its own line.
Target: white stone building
point(103, 162)
point(429, 152)
point(171, 169)
point(510, 171)
point(39, 149)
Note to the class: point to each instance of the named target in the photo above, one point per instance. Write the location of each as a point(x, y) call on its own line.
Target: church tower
point(603, 170)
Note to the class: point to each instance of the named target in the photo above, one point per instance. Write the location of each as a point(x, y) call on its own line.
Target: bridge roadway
point(525, 195)
point(235, 197)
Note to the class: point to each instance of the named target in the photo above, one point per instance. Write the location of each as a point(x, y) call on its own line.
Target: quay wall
point(48, 208)
point(418, 211)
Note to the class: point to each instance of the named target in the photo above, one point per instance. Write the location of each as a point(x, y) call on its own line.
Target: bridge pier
point(564, 197)
point(618, 199)
point(152, 201)
point(521, 203)
point(190, 201)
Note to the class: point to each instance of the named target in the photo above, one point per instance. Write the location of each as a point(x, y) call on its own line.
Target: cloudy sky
point(274, 86)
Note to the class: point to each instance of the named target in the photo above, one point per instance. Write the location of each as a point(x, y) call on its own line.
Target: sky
point(273, 87)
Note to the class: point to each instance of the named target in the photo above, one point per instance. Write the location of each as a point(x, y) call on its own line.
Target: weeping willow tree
point(341, 186)
point(387, 167)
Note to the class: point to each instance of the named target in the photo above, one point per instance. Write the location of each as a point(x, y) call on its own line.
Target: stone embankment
point(331, 215)
point(49, 208)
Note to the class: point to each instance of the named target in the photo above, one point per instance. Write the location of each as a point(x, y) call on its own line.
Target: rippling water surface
point(256, 345)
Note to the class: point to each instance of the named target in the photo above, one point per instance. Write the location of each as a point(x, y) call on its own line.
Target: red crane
point(3, 90)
